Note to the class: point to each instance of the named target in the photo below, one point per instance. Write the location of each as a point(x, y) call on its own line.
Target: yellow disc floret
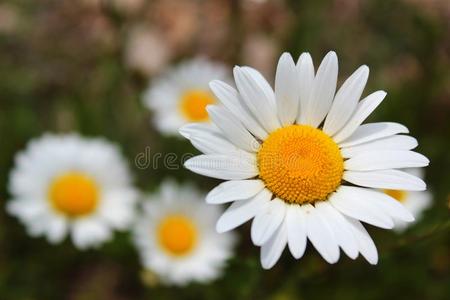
point(193, 105)
point(398, 195)
point(177, 235)
point(74, 194)
point(300, 164)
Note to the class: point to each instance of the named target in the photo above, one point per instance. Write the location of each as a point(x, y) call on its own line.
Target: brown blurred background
point(82, 65)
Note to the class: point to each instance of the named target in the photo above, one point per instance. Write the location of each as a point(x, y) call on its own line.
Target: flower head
point(299, 161)
point(176, 238)
point(181, 95)
point(67, 185)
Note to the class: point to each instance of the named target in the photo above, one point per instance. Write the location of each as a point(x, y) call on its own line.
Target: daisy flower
point(299, 161)
point(67, 185)
point(415, 202)
point(176, 238)
point(181, 95)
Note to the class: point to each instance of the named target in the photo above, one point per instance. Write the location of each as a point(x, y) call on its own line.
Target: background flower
point(181, 94)
point(176, 239)
point(67, 185)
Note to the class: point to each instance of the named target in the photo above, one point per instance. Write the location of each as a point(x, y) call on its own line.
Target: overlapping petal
point(372, 154)
point(287, 90)
point(346, 100)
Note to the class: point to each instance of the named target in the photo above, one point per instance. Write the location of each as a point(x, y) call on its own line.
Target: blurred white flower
point(181, 95)
point(146, 51)
point(67, 185)
point(176, 239)
point(416, 202)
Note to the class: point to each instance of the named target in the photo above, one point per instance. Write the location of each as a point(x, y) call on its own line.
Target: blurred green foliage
point(61, 71)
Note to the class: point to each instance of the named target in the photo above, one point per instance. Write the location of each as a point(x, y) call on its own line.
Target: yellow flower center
point(193, 105)
point(300, 164)
point(74, 194)
point(177, 235)
point(396, 194)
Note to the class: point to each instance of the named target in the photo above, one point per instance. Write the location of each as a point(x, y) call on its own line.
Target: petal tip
point(305, 56)
point(331, 55)
point(267, 265)
point(220, 227)
point(183, 132)
point(209, 198)
point(332, 261)
point(364, 70)
point(409, 218)
point(286, 56)
point(189, 164)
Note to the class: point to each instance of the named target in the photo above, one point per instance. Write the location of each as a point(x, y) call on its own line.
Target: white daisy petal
point(339, 225)
point(305, 69)
point(230, 99)
point(296, 230)
point(232, 128)
point(385, 179)
point(385, 159)
point(257, 98)
point(366, 245)
point(57, 230)
point(364, 109)
point(388, 204)
point(234, 190)
point(267, 221)
point(197, 128)
point(271, 251)
point(213, 143)
point(240, 212)
point(322, 91)
point(40, 228)
point(227, 167)
point(26, 210)
point(351, 203)
point(87, 232)
point(114, 208)
point(395, 142)
point(263, 84)
point(320, 234)
point(169, 190)
point(287, 89)
point(346, 100)
point(373, 131)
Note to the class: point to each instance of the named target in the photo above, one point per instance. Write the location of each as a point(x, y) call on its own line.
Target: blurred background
point(82, 65)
